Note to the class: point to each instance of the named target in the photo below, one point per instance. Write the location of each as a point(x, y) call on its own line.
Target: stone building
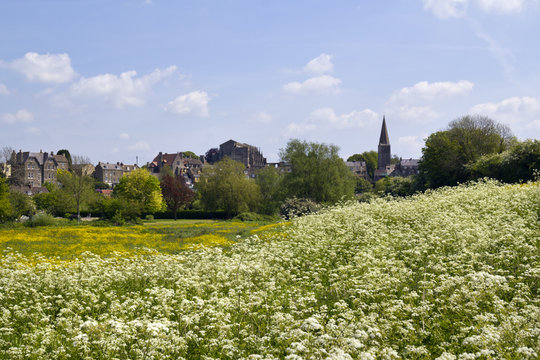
point(384, 166)
point(112, 173)
point(358, 168)
point(247, 154)
point(35, 169)
point(174, 161)
point(404, 168)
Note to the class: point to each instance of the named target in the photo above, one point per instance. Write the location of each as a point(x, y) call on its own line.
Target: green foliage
point(118, 218)
point(398, 186)
point(5, 205)
point(513, 165)
point(21, 204)
point(224, 186)
point(295, 207)
point(317, 172)
point(251, 216)
point(66, 153)
point(362, 185)
point(77, 187)
point(448, 155)
point(41, 219)
point(189, 154)
point(101, 185)
point(149, 217)
point(270, 180)
point(140, 192)
point(370, 157)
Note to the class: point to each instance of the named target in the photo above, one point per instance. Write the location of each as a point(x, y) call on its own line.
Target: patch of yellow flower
point(70, 242)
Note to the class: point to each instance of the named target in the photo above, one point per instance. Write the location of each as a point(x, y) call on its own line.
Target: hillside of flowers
point(450, 274)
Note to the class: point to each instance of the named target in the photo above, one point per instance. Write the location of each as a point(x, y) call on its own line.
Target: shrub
point(41, 219)
point(251, 216)
point(118, 219)
point(149, 217)
point(295, 207)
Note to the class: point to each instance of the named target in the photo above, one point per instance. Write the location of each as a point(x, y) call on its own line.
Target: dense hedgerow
point(452, 274)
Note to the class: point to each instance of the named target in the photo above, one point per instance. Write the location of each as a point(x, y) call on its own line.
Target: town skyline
point(116, 81)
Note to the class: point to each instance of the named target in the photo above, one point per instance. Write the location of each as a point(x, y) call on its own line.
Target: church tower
point(384, 148)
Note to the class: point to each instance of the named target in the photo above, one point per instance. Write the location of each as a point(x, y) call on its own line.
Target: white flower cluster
point(451, 274)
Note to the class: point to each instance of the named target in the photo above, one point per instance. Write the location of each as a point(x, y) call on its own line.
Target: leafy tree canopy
point(140, 190)
point(175, 192)
point(317, 172)
point(447, 155)
point(224, 186)
point(190, 154)
point(370, 157)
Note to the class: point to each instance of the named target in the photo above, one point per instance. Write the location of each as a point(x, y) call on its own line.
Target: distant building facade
point(35, 169)
point(248, 155)
point(358, 168)
point(112, 173)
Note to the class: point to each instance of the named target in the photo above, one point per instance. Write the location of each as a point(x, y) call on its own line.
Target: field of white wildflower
point(451, 274)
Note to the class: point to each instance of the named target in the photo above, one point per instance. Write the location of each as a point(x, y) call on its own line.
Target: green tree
point(175, 192)
point(5, 205)
point(189, 154)
point(370, 157)
point(362, 185)
point(317, 172)
point(224, 186)
point(448, 155)
point(21, 204)
point(269, 180)
point(66, 153)
point(140, 191)
point(78, 187)
point(518, 163)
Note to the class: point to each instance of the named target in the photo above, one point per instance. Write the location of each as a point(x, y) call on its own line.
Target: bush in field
point(450, 274)
point(295, 207)
point(41, 219)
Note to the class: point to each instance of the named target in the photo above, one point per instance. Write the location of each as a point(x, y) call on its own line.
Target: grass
point(163, 236)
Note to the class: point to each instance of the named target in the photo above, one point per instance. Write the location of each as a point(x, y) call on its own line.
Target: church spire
point(384, 140)
point(383, 158)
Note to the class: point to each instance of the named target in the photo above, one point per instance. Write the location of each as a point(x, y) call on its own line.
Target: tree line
point(471, 147)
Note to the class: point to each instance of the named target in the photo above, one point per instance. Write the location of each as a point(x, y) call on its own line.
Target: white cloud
point(262, 118)
point(446, 8)
point(326, 118)
point(21, 116)
point(321, 84)
point(33, 130)
point(534, 125)
point(421, 114)
point(457, 8)
point(320, 65)
point(411, 145)
point(124, 136)
point(139, 145)
point(354, 119)
point(430, 91)
point(122, 90)
point(194, 103)
point(511, 110)
point(4, 90)
point(47, 68)
point(299, 128)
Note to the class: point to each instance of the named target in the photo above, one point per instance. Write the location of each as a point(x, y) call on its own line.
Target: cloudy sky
point(113, 80)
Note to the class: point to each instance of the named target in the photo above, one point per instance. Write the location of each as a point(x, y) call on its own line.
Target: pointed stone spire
point(384, 148)
point(384, 140)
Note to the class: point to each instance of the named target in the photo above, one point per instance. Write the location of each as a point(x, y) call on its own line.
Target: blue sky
point(113, 80)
